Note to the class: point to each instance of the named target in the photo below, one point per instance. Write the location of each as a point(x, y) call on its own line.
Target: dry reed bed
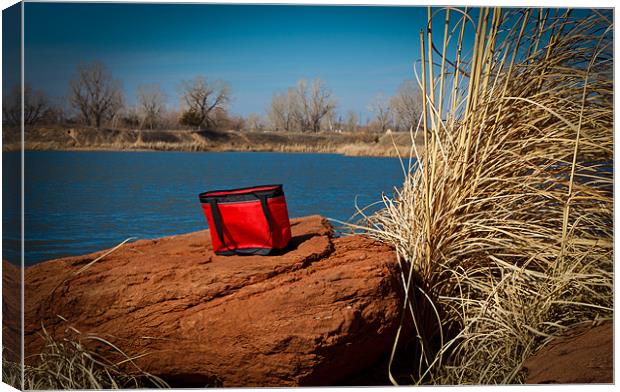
point(504, 228)
point(61, 137)
point(353, 149)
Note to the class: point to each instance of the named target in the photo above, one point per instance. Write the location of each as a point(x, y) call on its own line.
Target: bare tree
point(352, 121)
point(303, 107)
point(322, 103)
point(296, 111)
point(95, 94)
point(36, 105)
point(254, 122)
point(315, 103)
point(12, 106)
point(151, 103)
point(331, 121)
point(230, 122)
point(170, 119)
point(279, 114)
point(302, 103)
point(381, 109)
point(286, 112)
point(202, 100)
point(58, 112)
point(407, 105)
point(130, 117)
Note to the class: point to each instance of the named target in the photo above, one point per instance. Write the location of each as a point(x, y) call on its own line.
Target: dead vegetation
point(91, 139)
point(75, 362)
point(504, 227)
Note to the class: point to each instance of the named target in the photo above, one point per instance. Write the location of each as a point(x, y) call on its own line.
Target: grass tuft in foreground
point(72, 363)
point(504, 225)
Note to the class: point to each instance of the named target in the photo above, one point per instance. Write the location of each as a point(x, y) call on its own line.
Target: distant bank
point(352, 144)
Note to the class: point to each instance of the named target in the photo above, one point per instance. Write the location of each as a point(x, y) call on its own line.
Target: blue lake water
point(80, 202)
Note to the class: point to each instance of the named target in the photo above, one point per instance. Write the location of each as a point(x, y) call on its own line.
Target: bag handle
point(219, 227)
point(266, 212)
point(217, 219)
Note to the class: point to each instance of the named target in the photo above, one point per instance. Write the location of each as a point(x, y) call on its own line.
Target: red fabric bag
point(247, 221)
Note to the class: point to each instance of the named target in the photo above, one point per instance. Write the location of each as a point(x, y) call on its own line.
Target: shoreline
point(379, 154)
point(360, 144)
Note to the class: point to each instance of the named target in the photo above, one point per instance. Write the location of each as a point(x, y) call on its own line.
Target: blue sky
point(258, 50)
point(11, 47)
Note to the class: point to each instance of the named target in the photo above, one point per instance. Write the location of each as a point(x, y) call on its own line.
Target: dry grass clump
point(73, 363)
point(11, 371)
point(365, 150)
point(504, 228)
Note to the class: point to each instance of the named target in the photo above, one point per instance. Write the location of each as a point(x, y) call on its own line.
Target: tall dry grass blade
point(508, 230)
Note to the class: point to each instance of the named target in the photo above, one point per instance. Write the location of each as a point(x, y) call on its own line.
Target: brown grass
point(504, 228)
point(90, 139)
point(74, 362)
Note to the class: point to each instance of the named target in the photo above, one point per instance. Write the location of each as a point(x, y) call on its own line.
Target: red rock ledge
point(325, 310)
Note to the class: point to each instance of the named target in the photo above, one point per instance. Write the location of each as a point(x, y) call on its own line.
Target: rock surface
point(324, 310)
point(583, 356)
point(11, 312)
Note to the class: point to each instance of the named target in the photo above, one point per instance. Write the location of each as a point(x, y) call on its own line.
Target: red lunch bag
point(247, 221)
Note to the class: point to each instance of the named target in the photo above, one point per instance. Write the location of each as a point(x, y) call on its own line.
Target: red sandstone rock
point(583, 356)
point(11, 312)
point(324, 310)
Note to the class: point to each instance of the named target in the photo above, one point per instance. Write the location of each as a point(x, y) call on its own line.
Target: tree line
point(95, 98)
